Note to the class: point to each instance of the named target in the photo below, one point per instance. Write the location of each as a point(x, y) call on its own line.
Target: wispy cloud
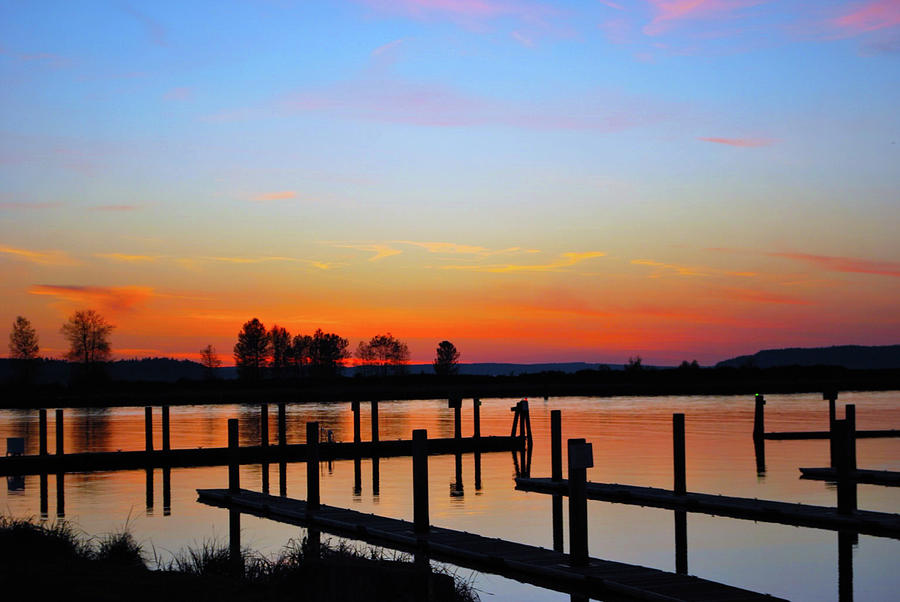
point(126, 258)
point(686, 270)
point(869, 16)
point(261, 259)
point(852, 265)
point(39, 257)
point(380, 251)
point(153, 28)
point(111, 298)
point(466, 10)
point(115, 208)
point(744, 142)
point(452, 248)
point(281, 195)
point(668, 13)
point(565, 260)
point(756, 296)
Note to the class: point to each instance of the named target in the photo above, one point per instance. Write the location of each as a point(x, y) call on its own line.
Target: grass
point(114, 566)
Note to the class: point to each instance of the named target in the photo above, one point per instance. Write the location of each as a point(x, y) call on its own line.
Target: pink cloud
point(869, 16)
point(669, 12)
point(845, 264)
point(111, 298)
point(753, 296)
point(462, 8)
point(745, 142)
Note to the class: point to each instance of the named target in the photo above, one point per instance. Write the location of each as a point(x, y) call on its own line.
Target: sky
point(533, 181)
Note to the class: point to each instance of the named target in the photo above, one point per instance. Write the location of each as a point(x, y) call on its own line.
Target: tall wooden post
point(851, 436)
point(166, 432)
point(759, 418)
point(59, 433)
point(515, 410)
point(234, 475)
point(264, 424)
point(312, 466)
point(556, 473)
point(581, 458)
point(148, 428)
point(354, 405)
point(456, 404)
point(420, 480)
point(678, 453)
point(831, 396)
point(526, 416)
point(476, 420)
point(42, 432)
point(282, 425)
point(374, 421)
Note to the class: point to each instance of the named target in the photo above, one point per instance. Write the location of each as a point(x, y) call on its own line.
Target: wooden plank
point(604, 579)
point(795, 435)
point(880, 524)
point(888, 478)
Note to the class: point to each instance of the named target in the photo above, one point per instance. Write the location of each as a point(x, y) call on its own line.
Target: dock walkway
point(546, 568)
point(880, 524)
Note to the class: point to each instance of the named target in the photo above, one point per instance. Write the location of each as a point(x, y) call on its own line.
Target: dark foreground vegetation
point(642, 381)
point(55, 562)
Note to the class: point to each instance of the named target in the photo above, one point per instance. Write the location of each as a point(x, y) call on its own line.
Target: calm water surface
point(632, 444)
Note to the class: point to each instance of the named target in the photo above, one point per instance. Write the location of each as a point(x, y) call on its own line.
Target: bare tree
point(210, 360)
point(383, 355)
point(88, 335)
point(23, 340)
point(446, 360)
point(252, 351)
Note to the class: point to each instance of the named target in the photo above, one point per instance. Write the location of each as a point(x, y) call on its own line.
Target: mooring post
point(515, 411)
point(356, 432)
point(167, 490)
point(476, 421)
point(264, 424)
point(556, 474)
point(846, 487)
point(282, 479)
point(148, 490)
point(420, 480)
point(42, 432)
point(148, 429)
point(374, 421)
point(166, 433)
point(678, 453)
point(581, 457)
point(312, 466)
point(282, 425)
point(59, 433)
point(759, 418)
point(831, 395)
point(526, 414)
point(455, 403)
point(851, 436)
point(234, 475)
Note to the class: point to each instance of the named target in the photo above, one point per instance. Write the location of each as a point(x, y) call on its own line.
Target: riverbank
point(55, 561)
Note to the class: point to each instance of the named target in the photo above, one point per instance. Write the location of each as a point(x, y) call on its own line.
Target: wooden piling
point(60, 495)
point(43, 494)
point(580, 459)
point(148, 428)
point(264, 424)
point(354, 405)
point(476, 419)
point(166, 431)
point(282, 479)
point(42, 432)
point(374, 421)
point(357, 476)
point(420, 480)
point(680, 487)
point(515, 410)
point(234, 475)
point(59, 433)
point(376, 475)
point(831, 396)
point(681, 555)
point(148, 490)
point(282, 424)
point(312, 466)
point(556, 474)
point(167, 490)
point(759, 417)
point(851, 436)
point(526, 416)
point(455, 403)
point(234, 542)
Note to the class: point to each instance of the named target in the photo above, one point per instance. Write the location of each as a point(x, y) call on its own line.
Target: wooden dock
point(602, 579)
point(797, 435)
point(257, 454)
point(888, 478)
point(880, 524)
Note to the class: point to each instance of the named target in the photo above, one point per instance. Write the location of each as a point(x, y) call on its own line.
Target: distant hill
point(499, 369)
point(854, 357)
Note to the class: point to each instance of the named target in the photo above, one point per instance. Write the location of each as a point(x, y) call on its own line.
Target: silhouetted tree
point(88, 335)
point(446, 360)
point(252, 350)
point(634, 364)
point(23, 349)
point(210, 360)
point(692, 365)
point(301, 358)
point(281, 350)
point(327, 353)
point(382, 355)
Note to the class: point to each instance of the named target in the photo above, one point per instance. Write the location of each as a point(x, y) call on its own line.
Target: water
point(632, 442)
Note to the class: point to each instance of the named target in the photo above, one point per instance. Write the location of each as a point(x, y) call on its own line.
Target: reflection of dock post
point(148, 490)
point(42, 432)
point(354, 405)
point(44, 487)
point(264, 424)
point(580, 459)
point(456, 404)
point(678, 453)
point(759, 449)
point(846, 539)
point(312, 466)
point(234, 486)
point(167, 491)
point(282, 425)
point(357, 476)
point(166, 432)
point(148, 428)
point(60, 495)
point(420, 480)
point(843, 433)
point(282, 479)
point(759, 418)
point(681, 553)
point(526, 422)
point(376, 475)
point(476, 437)
point(556, 474)
point(59, 434)
point(374, 421)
